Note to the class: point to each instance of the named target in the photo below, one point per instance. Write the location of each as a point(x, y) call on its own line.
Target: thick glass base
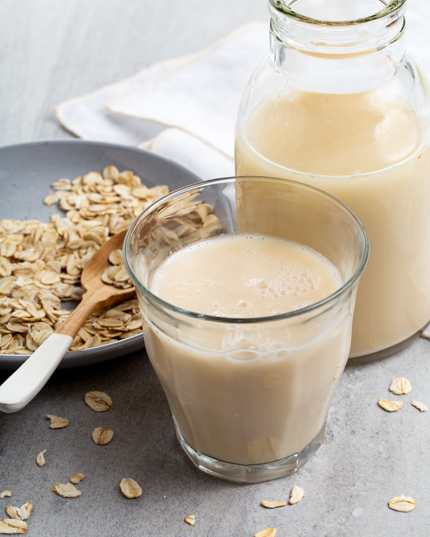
point(253, 473)
point(383, 353)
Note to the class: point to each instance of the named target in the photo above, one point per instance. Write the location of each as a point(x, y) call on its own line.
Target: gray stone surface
point(51, 51)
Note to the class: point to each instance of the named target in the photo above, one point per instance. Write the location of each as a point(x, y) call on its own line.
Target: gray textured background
point(51, 51)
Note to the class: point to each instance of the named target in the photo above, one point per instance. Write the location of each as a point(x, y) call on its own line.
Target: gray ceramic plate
point(26, 174)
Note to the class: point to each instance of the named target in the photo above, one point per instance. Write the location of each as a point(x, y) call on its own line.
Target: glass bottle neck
point(337, 57)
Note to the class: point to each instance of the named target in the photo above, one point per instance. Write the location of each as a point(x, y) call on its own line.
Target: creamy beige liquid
point(252, 393)
point(364, 149)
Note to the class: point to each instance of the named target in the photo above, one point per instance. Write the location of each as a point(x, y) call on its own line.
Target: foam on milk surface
point(245, 276)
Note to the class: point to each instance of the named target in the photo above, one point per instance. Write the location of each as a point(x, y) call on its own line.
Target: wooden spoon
point(27, 381)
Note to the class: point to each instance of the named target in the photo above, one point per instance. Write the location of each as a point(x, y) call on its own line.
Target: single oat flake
point(402, 504)
point(5, 493)
point(273, 505)
point(390, 406)
point(102, 436)
point(421, 406)
point(66, 491)
point(40, 459)
point(400, 386)
point(76, 478)
point(130, 488)
point(11, 526)
point(269, 532)
point(296, 495)
point(20, 513)
point(56, 422)
point(98, 401)
point(190, 519)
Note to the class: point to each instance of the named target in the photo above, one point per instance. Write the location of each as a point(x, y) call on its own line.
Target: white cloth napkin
point(185, 108)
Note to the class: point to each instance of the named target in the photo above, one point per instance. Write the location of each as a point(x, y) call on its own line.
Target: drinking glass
point(249, 396)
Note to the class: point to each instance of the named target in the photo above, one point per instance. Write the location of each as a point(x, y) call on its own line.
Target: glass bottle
point(338, 104)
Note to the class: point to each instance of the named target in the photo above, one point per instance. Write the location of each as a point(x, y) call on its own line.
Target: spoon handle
point(27, 381)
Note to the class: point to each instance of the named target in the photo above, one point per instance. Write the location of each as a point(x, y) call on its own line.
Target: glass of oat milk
point(247, 286)
point(338, 104)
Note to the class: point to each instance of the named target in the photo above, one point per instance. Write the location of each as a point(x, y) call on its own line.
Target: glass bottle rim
point(243, 320)
point(392, 7)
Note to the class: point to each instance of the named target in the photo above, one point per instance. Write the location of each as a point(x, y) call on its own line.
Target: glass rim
point(391, 7)
point(244, 320)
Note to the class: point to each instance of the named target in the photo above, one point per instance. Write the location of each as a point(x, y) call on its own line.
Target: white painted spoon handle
point(27, 381)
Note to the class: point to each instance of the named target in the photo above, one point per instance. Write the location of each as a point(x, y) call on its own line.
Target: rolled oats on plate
point(41, 263)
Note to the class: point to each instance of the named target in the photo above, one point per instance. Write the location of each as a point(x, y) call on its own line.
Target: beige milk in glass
point(266, 402)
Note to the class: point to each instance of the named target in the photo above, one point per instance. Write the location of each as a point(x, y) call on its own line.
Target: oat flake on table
point(420, 406)
point(76, 478)
point(190, 519)
point(40, 459)
point(273, 505)
point(130, 488)
point(11, 526)
point(19, 513)
point(98, 401)
point(402, 504)
point(296, 494)
point(102, 436)
point(67, 491)
point(56, 422)
point(400, 386)
point(390, 406)
point(269, 532)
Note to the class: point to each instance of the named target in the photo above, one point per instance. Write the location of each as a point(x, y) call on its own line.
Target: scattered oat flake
point(56, 422)
point(98, 401)
point(130, 488)
point(40, 459)
point(11, 526)
point(5, 493)
point(402, 504)
point(272, 505)
point(20, 513)
point(296, 495)
point(400, 386)
point(190, 519)
point(102, 436)
point(421, 406)
point(269, 532)
point(76, 478)
point(390, 406)
point(67, 491)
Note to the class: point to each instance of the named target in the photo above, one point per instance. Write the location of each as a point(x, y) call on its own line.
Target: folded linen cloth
point(185, 108)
